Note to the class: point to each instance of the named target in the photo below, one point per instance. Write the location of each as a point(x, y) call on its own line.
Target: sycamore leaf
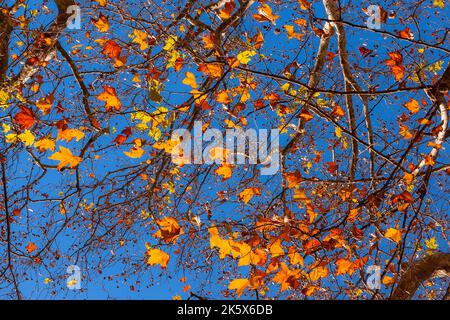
point(140, 37)
point(318, 272)
point(69, 134)
point(247, 194)
point(169, 230)
point(439, 3)
point(25, 118)
point(393, 234)
point(213, 70)
point(265, 14)
point(239, 285)
point(27, 138)
point(65, 157)
point(45, 144)
point(156, 256)
point(45, 104)
point(190, 80)
point(110, 97)
point(31, 246)
point(225, 170)
point(291, 33)
point(101, 23)
point(223, 97)
point(413, 106)
point(244, 57)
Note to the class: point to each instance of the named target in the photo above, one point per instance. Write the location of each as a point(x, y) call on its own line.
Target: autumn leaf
point(318, 273)
point(406, 34)
point(265, 14)
point(225, 170)
point(244, 57)
point(110, 97)
point(413, 106)
point(395, 63)
point(228, 9)
point(247, 194)
point(239, 285)
point(69, 134)
point(393, 234)
point(190, 80)
point(213, 70)
point(169, 230)
point(291, 33)
point(293, 178)
point(223, 97)
point(45, 104)
point(65, 157)
point(157, 256)
point(31, 246)
point(27, 138)
point(101, 23)
point(45, 144)
point(25, 118)
point(140, 37)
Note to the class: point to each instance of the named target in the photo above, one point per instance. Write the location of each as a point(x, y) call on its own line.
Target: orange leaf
point(248, 193)
point(413, 106)
point(393, 234)
point(110, 97)
point(225, 170)
point(156, 256)
point(25, 118)
point(65, 157)
point(101, 23)
point(31, 247)
point(265, 14)
point(239, 285)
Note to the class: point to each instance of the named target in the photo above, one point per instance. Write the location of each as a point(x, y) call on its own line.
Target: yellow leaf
point(393, 234)
point(156, 256)
point(101, 23)
point(245, 56)
point(177, 297)
point(439, 3)
point(102, 3)
point(318, 272)
point(276, 249)
point(239, 285)
point(190, 80)
point(140, 37)
point(223, 97)
point(110, 97)
point(4, 97)
point(248, 193)
point(65, 157)
point(6, 128)
point(387, 281)
point(26, 137)
point(431, 244)
point(338, 132)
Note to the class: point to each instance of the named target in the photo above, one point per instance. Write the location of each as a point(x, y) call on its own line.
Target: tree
point(89, 107)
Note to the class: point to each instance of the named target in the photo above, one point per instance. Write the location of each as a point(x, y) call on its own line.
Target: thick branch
point(420, 271)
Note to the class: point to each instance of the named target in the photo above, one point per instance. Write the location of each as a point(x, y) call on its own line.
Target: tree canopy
point(91, 93)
